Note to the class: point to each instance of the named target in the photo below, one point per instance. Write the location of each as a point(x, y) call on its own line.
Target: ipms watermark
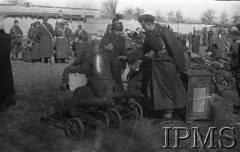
point(197, 140)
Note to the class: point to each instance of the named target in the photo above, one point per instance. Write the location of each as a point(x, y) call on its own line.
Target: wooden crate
point(198, 84)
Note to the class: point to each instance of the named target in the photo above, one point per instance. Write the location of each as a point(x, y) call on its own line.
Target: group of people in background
point(44, 42)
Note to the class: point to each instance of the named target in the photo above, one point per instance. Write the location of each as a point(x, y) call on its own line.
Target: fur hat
point(117, 26)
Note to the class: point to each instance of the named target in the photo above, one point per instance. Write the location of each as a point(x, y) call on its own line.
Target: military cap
point(80, 25)
point(32, 24)
point(65, 22)
point(45, 18)
point(15, 21)
point(37, 23)
point(146, 18)
point(117, 26)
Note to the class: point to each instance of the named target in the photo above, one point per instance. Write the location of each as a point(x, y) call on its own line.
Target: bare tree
point(16, 2)
point(128, 13)
point(159, 17)
point(110, 7)
point(19, 2)
point(171, 17)
point(138, 12)
point(179, 17)
point(223, 18)
point(208, 16)
point(236, 18)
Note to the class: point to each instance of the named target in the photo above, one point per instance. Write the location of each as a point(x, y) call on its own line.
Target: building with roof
point(50, 11)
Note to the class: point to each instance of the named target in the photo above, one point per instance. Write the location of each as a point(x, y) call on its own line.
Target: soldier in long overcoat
point(62, 47)
point(6, 78)
point(35, 45)
point(158, 77)
point(46, 34)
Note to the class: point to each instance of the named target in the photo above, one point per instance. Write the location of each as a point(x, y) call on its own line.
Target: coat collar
point(157, 30)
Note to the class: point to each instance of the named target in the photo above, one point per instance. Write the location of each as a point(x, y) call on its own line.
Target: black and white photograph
point(119, 75)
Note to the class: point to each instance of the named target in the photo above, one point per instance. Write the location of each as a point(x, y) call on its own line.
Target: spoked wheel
point(136, 109)
point(115, 118)
point(74, 129)
point(102, 120)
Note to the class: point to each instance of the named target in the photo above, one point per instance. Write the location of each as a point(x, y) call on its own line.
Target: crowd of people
point(45, 43)
point(154, 54)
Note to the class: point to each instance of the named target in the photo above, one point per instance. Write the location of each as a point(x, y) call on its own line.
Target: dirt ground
point(37, 88)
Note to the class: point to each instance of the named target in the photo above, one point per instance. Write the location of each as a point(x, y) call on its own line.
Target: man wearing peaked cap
point(16, 35)
point(30, 33)
point(35, 43)
point(161, 86)
point(80, 33)
point(6, 78)
point(45, 34)
point(16, 21)
point(147, 18)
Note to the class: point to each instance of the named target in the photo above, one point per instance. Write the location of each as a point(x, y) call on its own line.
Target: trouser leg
point(68, 70)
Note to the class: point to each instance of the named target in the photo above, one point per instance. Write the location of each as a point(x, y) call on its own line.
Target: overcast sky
point(189, 8)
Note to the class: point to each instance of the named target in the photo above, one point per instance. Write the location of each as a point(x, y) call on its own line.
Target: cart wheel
point(114, 118)
point(136, 109)
point(74, 129)
point(102, 120)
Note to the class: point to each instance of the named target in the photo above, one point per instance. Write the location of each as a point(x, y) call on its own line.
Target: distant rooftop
point(39, 10)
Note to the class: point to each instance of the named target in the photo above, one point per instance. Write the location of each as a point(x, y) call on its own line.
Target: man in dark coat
point(30, 33)
point(119, 49)
point(80, 32)
point(102, 67)
point(35, 45)
point(158, 76)
point(6, 78)
point(33, 42)
point(236, 106)
point(16, 35)
point(45, 34)
point(210, 36)
point(84, 52)
point(62, 47)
